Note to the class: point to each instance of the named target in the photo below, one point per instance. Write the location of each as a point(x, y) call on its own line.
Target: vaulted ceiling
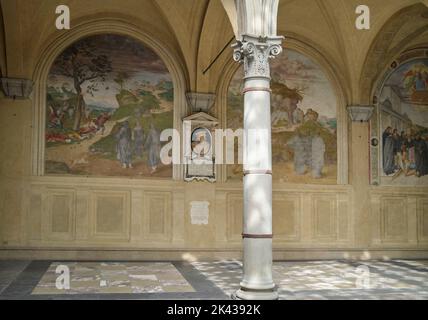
point(198, 30)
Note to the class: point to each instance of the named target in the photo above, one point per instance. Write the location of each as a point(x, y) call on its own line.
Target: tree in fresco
point(83, 63)
point(121, 79)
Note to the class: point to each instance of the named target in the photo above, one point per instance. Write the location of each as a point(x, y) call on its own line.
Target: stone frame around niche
point(375, 134)
point(199, 121)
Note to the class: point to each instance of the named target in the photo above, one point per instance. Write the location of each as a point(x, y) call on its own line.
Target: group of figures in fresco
point(405, 152)
point(57, 120)
point(108, 99)
point(135, 143)
point(405, 121)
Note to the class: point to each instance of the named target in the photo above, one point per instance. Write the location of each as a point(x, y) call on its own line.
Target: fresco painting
point(404, 130)
point(108, 98)
point(304, 121)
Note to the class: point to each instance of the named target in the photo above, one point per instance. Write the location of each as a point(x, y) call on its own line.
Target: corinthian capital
point(255, 53)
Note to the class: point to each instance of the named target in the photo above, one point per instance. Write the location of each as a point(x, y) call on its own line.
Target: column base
point(255, 295)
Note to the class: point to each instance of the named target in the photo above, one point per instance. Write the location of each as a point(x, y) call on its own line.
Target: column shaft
point(257, 281)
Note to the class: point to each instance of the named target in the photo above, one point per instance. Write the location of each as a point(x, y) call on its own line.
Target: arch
point(215, 30)
point(333, 74)
point(96, 27)
point(381, 53)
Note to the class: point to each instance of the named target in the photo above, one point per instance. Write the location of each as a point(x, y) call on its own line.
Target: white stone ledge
point(399, 190)
point(110, 182)
point(307, 188)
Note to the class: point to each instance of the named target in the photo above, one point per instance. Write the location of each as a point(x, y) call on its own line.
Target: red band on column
point(247, 172)
point(256, 89)
point(257, 236)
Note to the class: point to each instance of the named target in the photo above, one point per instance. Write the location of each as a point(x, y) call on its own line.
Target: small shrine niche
point(199, 147)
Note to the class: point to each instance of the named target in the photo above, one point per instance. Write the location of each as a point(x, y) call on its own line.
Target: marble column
point(254, 53)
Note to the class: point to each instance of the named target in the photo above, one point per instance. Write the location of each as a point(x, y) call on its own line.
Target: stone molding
point(200, 102)
point(360, 113)
point(15, 88)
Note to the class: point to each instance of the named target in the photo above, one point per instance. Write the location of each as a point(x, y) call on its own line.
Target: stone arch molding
point(305, 47)
point(94, 27)
point(381, 53)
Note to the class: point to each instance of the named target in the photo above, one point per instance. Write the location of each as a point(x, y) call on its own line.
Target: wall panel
point(423, 220)
point(394, 219)
point(157, 216)
point(286, 215)
point(59, 215)
point(235, 212)
point(34, 217)
point(110, 215)
point(324, 218)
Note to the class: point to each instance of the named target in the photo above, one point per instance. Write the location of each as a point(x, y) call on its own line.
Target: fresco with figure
point(404, 124)
point(304, 121)
point(108, 99)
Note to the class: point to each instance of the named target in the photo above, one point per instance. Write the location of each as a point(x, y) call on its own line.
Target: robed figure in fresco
point(301, 147)
point(318, 152)
point(123, 147)
point(153, 145)
point(421, 156)
point(138, 140)
point(388, 154)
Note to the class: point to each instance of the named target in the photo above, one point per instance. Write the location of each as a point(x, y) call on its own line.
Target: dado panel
point(286, 215)
point(110, 215)
point(399, 219)
point(394, 220)
point(330, 219)
point(235, 211)
point(10, 215)
point(34, 217)
point(324, 218)
point(423, 220)
point(157, 216)
point(58, 218)
point(154, 217)
point(299, 218)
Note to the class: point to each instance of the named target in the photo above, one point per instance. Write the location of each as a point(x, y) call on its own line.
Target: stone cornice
point(17, 88)
point(360, 113)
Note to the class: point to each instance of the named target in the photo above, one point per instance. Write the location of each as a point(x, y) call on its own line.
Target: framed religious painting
point(399, 131)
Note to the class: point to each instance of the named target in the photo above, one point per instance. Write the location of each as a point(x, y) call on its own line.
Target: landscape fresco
point(404, 129)
point(108, 99)
point(304, 121)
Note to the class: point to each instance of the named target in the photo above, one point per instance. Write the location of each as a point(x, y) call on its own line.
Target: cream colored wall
point(87, 218)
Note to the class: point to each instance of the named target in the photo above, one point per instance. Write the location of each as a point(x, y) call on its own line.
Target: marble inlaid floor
point(114, 277)
point(296, 280)
point(321, 280)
